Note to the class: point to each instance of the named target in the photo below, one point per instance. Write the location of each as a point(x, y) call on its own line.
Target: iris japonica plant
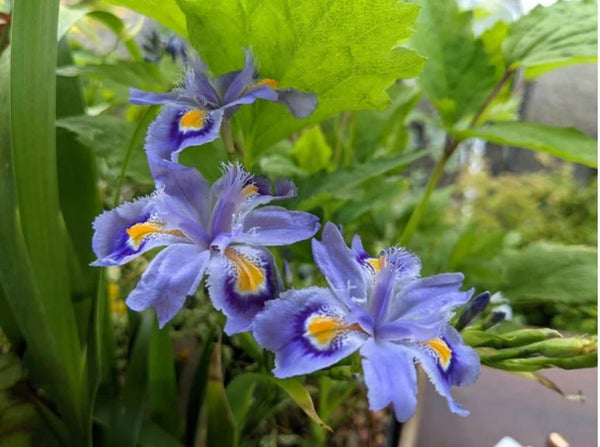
point(194, 112)
point(380, 307)
point(215, 230)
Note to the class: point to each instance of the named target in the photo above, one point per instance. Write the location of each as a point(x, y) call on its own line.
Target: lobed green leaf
point(345, 51)
point(555, 36)
point(458, 74)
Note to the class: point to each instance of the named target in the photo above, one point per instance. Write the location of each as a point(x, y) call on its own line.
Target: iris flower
point(215, 230)
point(192, 114)
point(381, 307)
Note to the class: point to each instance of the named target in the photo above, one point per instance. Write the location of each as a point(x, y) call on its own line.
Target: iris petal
point(335, 260)
point(129, 230)
point(240, 281)
point(308, 330)
point(448, 362)
point(274, 225)
point(176, 128)
point(172, 275)
point(390, 377)
point(300, 104)
point(430, 299)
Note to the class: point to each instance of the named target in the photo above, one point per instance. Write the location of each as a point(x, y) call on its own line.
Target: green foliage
point(562, 142)
point(384, 132)
point(566, 353)
point(109, 136)
point(220, 422)
point(348, 58)
point(550, 205)
point(458, 74)
point(545, 272)
point(551, 37)
point(316, 190)
point(19, 418)
point(311, 151)
point(521, 337)
point(163, 11)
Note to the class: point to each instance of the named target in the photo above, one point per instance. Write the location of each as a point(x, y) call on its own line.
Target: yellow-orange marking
point(377, 263)
point(267, 81)
point(193, 119)
point(249, 190)
point(324, 329)
point(442, 349)
point(138, 232)
point(250, 276)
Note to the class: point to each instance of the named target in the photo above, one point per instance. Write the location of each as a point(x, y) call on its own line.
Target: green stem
point(491, 97)
point(438, 170)
point(233, 152)
point(434, 179)
point(136, 139)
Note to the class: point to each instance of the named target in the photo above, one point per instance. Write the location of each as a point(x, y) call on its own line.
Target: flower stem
point(233, 152)
point(438, 170)
point(434, 179)
point(491, 97)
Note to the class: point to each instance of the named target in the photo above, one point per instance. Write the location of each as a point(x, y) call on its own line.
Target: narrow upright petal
point(340, 268)
point(274, 225)
point(129, 230)
point(240, 281)
point(228, 193)
point(448, 362)
point(390, 377)
point(381, 295)
point(186, 187)
point(406, 264)
point(198, 86)
point(176, 128)
point(308, 330)
point(241, 80)
point(172, 275)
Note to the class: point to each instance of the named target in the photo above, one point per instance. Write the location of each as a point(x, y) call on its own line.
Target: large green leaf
point(563, 142)
point(551, 273)
point(555, 36)
point(345, 51)
point(163, 11)
point(458, 74)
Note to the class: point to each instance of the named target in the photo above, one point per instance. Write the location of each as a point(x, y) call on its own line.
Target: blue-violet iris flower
point(215, 230)
point(192, 114)
point(381, 307)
